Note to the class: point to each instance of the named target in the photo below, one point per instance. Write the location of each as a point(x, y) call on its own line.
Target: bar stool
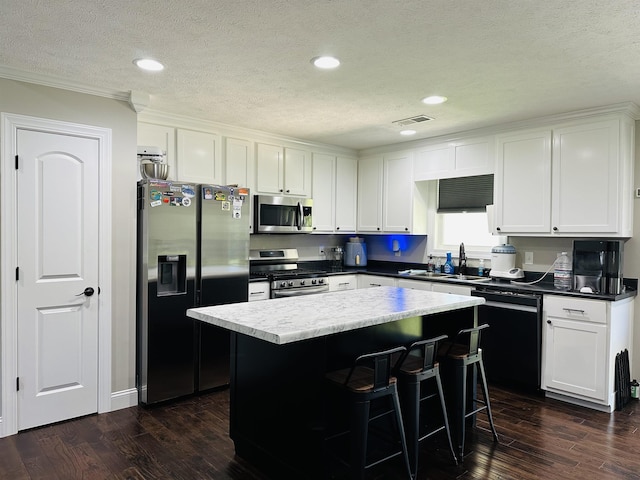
point(370, 378)
point(413, 373)
point(461, 356)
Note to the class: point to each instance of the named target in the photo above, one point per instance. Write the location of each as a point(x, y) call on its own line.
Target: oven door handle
point(300, 291)
point(510, 306)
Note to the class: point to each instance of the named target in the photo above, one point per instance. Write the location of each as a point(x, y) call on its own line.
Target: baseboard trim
point(124, 399)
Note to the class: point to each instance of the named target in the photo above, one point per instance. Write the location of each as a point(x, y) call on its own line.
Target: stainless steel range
point(286, 279)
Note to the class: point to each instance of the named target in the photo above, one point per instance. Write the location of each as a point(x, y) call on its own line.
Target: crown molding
point(62, 83)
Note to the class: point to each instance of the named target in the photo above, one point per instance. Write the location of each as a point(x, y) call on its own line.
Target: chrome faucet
point(462, 261)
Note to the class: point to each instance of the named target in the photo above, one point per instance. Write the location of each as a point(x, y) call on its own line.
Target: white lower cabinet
point(449, 288)
point(258, 291)
point(580, 340)
point(415, 284)
point(342, 282)
point(366, 281)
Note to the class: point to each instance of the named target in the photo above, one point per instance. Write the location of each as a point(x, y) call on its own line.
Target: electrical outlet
point(528, 258)
point(321, 251)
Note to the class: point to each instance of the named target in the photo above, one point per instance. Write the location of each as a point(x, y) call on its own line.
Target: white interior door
point(58, 257)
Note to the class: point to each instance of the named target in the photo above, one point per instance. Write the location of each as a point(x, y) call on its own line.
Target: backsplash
point(412, 248)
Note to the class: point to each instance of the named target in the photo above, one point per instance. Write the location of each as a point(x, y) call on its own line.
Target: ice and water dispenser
point(172, 275)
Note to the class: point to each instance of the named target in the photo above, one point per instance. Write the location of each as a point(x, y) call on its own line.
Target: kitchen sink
point(469, 278)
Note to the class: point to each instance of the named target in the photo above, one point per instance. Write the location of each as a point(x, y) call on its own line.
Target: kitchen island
point(282, 348)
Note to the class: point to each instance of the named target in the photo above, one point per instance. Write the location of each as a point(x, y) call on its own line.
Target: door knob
point(87, 291)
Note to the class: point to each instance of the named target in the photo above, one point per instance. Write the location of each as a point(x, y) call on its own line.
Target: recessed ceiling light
point(434, 100)
point(148, 64)
point(325, 62)
point(407, 133)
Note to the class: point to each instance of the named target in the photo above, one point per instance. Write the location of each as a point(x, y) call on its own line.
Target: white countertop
point(287, 320)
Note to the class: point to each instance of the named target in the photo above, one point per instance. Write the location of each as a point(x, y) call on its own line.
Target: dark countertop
point(391, 269)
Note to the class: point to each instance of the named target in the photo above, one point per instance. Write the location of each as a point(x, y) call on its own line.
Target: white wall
point(51, 103)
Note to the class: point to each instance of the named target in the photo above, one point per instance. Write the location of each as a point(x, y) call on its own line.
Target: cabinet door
point(199, 158)
point(269, 165)
point(474, 156)
point(342, 282)
point(346, 196)
point(434, 162)
point(370, 194)
point(323, 193)
point(163, 137)
point(449, 288)
point(397, 194)
point(522, 195)
point(586, 178)
point(258, 291)
point(239, 163)
point(366, 281)
point(415, 284)
point(575, 357)
point(297, 173)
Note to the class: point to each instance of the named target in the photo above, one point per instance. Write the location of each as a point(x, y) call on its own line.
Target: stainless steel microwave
point(283, 214)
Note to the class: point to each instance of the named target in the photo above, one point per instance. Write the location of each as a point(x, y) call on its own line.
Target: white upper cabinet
point(323, 192)
point(397, 181)
point(239, 165)
point(460, 158)
point(586, 178)
point(573, 179)
point(297, 172)
point(334, 193)
point(199, 158)
point(283, 171)
point(522, 195)
point(160, 136)
point(269, 166)
point(370, 194)
point(346, 194)
point(389, 201)
point(239, 168)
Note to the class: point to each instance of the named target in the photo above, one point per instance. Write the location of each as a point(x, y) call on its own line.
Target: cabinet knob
point(378, 228)
point(288, 191)
point(314, 228)
point(549, 322)
point(337, 228)
point(281, 190)
point(498, 228)
point(406, 229)
point(555, 229)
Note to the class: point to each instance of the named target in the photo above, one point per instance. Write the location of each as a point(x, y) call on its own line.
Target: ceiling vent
point(412, 120)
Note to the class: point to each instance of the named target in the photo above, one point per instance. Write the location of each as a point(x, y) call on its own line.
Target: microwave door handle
point(299, 217)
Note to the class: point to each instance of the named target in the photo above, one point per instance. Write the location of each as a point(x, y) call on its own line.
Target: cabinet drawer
point(258, 291)
point(575, 308)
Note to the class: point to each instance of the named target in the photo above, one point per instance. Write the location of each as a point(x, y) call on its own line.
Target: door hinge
point(16, 162)
point(17, 384)
point(17, 273)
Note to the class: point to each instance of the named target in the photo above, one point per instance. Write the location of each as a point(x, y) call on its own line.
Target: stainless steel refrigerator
point(193, 250)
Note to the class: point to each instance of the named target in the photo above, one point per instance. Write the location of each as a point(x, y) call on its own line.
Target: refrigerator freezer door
point(167, 220)
point(224, 274)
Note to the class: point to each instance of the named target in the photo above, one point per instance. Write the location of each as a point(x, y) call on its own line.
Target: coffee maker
point(597, 266)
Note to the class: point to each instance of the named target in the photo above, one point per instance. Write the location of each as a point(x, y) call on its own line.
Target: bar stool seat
point(418, 366)
point(462, 353)
point(367, 380)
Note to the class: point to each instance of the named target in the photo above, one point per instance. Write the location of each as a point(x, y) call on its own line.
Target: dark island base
point(278, 396)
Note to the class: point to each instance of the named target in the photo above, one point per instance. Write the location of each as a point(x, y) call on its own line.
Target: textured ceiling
point(246, 63)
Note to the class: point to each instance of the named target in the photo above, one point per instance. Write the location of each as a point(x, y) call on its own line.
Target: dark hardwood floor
point(539, 439)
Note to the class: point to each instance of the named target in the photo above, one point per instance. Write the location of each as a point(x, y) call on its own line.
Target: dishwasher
point(511, 346)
